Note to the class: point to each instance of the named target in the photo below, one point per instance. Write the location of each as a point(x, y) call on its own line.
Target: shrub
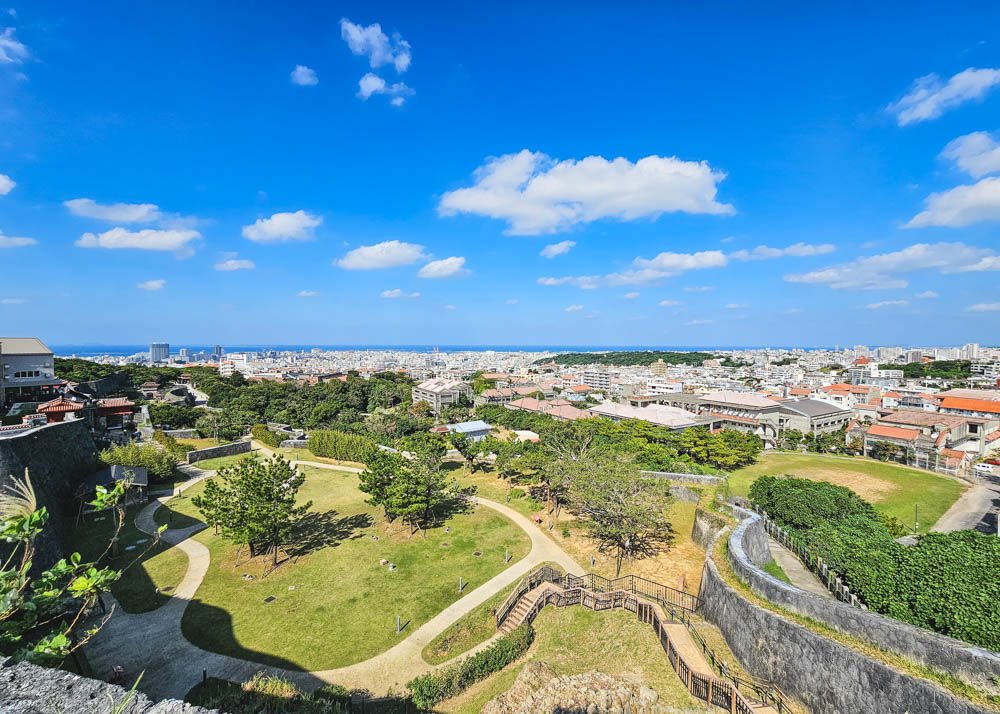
point(947, 582)
point(340, 445)
point(265, 436)
point(158, 463)
point(171, 444)
point(429, 689)
point(517, 493)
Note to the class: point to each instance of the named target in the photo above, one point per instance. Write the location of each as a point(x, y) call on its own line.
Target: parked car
point(995, 462)
point(984, 468)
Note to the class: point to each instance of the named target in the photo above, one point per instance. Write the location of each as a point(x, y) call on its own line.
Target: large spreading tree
point(253, 503)
point(623, 510)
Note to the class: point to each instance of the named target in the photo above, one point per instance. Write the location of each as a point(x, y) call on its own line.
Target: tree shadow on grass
point(315, 531)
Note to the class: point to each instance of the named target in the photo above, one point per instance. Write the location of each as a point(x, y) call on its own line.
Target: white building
point(441, 393)
point(27, 371)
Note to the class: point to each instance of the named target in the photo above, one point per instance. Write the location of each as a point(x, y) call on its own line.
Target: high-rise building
point(970, 351)
point(217, 351)
point(159, 352)
point(914, 356)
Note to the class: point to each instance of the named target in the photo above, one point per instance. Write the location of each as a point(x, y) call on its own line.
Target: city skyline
point(385, 174)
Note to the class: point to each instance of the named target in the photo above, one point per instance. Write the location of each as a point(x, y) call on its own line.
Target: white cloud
point(449, 307)
point(585, 282)
point(304, 76)
point(452, 267)
point(6, 184)
point(397, 293)
point(146, 239)
point(878, 272)
point(308, 293)
point(926, 295)
point(560, 248)
point(512, 301)
point(230, 262)
point(699, 289)
point(370, 41)
point(151, 285)
point(282, 227)
point(13, 301)
point(536, 194)
point(736, 306)
point(698, 322)
point(12, 51)
point(631, 296)
point(15, 241)
point(961, 206)
point(574, 308)
point(977, 153)
point(930, 97)
point(886, 303)
point(373, 84)
point(984, 307)
point(797, 250)
point(669, 303)
point(388, 254)
point(113, 212)
point(666, 265)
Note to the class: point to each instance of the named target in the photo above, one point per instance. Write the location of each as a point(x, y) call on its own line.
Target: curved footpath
point(152, 642)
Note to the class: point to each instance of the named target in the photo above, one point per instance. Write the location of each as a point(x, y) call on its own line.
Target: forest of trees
point(940, 369)
point(625, 359)
point(82, 370)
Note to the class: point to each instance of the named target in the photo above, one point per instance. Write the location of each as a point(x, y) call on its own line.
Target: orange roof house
point(58, 408)
point(893, 432)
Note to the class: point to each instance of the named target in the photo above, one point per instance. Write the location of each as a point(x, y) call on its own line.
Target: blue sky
point(531, 174)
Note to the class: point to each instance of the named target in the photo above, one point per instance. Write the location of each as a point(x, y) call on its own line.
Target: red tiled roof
point(893, 432)
point(993, 437)
point(972, 405)
point(114, 402)
point(59, 404)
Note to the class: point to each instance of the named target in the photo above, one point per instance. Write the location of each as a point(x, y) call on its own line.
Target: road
point(977, 508)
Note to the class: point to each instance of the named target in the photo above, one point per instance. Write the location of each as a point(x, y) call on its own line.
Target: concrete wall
point(827, 676)
point(27, 689)
point(215, 452)
point(686, 478)
point(58, 457)
point(705, 528)
point(967, 662)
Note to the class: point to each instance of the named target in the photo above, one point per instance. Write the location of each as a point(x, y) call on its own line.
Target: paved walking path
point(799, 574)
point(152, 642)
point(977, 508)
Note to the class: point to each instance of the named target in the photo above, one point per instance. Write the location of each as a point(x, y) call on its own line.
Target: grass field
point(199, 443)
point(158, 567)
point(306, 455)
point(216, 464)
point(893, 490)
point(574, 640)
point(335, 604)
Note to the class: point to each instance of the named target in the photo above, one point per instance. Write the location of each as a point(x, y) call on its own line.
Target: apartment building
point(27, 371)
point(441, 393)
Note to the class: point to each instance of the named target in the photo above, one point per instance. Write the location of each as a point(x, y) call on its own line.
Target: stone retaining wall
point(825, 675)
point(59, 457)
point(683, 493)
point(698, 479)
point(38, 690)
point(294, 444)
point(215, 452)
point(183, 433)
point(706, 528)
point(975, 665)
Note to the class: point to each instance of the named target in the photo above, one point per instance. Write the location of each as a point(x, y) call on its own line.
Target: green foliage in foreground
point(628, 358)
point(158, 463)
point(429, 689)
point(948, 582)
point(172, 445)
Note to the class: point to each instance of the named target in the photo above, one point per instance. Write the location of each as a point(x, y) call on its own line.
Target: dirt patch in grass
point(870, 489)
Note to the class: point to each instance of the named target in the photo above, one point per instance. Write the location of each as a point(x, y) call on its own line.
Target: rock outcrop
point(537, 690)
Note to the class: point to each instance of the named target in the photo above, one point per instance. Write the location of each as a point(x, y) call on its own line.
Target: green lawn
point(200, 443)
point(157, 567)
point(216, 464)
point(344, 604)
point(306, 455)
point(469, 630)
point(489, 485)
point(575, 640)
point(892, 489)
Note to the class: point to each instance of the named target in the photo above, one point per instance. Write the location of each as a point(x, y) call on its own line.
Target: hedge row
point(947, 582)
point(340, 445)
point(265, 436)
point(429, 689)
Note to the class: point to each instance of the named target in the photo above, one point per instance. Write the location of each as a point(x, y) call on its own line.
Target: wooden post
point(709, 691)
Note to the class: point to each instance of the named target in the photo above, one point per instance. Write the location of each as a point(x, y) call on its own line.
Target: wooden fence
point(726, 693)
point(661, 594)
